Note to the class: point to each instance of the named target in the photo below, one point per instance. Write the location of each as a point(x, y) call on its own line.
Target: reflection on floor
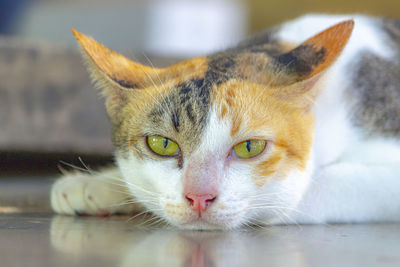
point(35, 239)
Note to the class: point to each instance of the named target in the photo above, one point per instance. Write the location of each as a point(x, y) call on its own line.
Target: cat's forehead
point(183, 112)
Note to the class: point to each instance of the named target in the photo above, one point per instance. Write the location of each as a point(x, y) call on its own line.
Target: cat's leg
point(100, 193)
point(352, 192)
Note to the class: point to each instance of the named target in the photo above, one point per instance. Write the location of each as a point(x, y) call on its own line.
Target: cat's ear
point(299, 69)
point(116, 69)
point(116, 75)
point(316, 54)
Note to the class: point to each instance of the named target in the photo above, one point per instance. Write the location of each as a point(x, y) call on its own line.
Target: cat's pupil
point(248, 146)
point(165, 142)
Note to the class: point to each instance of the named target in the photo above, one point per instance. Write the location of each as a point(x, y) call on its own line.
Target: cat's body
point(342, 166)
point(357, 142)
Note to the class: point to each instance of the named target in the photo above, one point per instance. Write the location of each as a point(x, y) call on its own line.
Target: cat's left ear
point(299, 69)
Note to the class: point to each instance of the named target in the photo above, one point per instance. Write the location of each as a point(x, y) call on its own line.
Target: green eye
point(162, 146)
point(249, 149)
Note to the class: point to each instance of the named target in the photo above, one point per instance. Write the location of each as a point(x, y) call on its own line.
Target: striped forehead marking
point(190, 101)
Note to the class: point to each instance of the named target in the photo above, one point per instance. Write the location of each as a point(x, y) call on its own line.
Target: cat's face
point(207, 162)
point(219, 141)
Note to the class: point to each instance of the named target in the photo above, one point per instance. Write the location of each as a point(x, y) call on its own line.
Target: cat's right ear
point(115, 74)
point(117, 69)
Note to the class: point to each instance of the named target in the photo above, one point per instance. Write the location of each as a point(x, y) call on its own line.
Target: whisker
point(106, 177)
point(158, 221)
point(100, 175)
point(158, 90)
point(137, 215)
point(128, 203)
point(152, 217)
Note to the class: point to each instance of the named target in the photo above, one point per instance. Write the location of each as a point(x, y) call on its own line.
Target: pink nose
point(200, 203)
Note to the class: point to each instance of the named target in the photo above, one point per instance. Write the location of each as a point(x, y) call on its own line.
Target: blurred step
point(47, 102)
point(22, 195)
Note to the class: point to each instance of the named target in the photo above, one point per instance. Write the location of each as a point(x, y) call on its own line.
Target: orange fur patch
point(281, 111)
point(256, 113)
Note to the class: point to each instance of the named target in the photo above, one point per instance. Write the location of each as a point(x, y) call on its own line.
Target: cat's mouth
point(216, 217)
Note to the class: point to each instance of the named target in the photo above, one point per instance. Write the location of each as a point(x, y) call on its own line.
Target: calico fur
point(326, 100)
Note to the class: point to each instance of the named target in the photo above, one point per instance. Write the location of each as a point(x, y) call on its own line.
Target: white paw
point(79, 194)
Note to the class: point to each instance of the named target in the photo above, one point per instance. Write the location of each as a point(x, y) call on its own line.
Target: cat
point(299, 124)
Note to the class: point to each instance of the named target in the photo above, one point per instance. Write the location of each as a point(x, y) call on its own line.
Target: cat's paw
point(79, 194)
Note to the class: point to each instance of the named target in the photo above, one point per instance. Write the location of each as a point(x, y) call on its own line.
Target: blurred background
point(48, 109)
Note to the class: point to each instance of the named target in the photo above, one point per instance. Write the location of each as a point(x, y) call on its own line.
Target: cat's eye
point(249, 149)
point(162, 146)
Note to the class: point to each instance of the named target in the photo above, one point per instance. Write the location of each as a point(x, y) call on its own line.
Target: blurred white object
point(186, 28)
point(172, 28)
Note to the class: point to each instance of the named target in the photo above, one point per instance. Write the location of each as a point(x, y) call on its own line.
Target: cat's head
point(218, 141)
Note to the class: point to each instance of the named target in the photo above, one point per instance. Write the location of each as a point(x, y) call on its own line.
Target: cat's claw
point(80, 194)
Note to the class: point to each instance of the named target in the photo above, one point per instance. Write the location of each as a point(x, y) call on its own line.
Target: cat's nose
point(200, 202)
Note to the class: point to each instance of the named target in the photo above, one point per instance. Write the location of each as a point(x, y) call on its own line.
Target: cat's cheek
point(151, 181)
point(158, 186)
point(280, 196)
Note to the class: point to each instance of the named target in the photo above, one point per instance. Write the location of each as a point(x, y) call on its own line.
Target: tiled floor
point(43, 239)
